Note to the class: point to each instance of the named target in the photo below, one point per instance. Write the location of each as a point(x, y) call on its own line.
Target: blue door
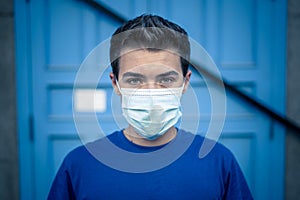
point(245, 39)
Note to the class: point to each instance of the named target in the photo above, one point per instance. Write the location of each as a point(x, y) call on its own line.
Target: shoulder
point(84, 153)
point(75, 157)
point(207, 148)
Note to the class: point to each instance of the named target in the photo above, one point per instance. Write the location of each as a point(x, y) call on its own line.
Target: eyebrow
point(170, 73)
point(133, 74)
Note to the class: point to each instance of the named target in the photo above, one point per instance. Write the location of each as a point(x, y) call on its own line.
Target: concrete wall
point(9, 185)
point(293, 101)
point(8, 132)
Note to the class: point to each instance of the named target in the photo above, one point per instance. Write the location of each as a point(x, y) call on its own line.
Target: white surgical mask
point(151, 112)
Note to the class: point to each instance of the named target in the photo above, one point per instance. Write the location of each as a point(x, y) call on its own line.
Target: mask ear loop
point(117, 83)
point(183, 84)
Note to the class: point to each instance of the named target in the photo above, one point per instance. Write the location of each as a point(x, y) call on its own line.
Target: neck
point(135, 138)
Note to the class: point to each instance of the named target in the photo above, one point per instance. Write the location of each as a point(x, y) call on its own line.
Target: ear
point(114, 83)
point(187, 81)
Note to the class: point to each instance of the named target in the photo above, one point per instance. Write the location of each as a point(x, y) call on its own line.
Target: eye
point(134, 81)
point(167, 80)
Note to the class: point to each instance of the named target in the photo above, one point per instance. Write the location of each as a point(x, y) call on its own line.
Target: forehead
point(152, 62)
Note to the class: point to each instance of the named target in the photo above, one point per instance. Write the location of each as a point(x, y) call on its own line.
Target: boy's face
point(150, 69)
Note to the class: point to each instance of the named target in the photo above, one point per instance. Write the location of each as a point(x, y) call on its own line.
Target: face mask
point(151, 112)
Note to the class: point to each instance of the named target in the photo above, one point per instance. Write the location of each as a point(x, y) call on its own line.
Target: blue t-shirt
point(115, 168)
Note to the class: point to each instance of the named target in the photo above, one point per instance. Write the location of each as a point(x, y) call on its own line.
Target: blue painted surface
point(24, 100)
point(245, 38)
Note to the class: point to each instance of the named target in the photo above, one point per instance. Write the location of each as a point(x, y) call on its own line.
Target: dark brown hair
point(153, 33)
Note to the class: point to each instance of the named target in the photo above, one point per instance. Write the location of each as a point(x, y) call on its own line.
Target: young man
point(149, 57)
